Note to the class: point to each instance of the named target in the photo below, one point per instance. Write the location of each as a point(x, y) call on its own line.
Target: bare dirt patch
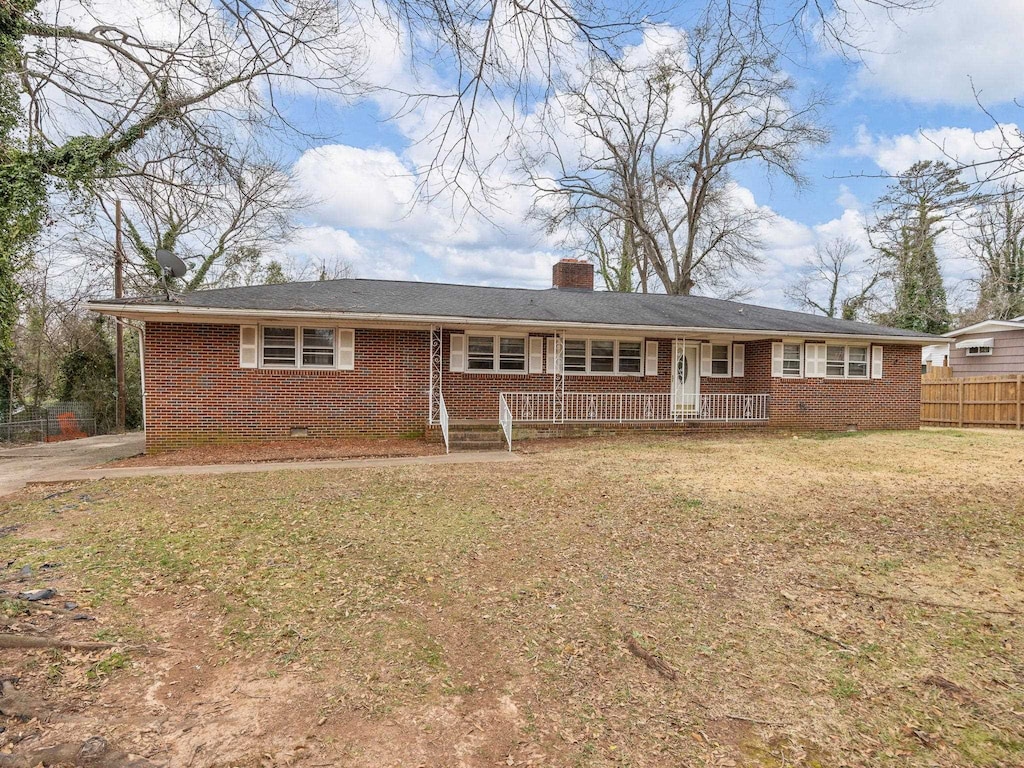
point(848, 601)
point(285, 450)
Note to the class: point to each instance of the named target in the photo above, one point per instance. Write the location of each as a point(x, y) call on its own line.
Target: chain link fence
point(67, 420)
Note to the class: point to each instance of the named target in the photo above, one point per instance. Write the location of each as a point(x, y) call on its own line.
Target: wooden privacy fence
point(977, 401)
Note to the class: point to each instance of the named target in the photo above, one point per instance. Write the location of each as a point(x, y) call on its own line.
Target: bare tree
point(838, 23)
point(293, 270)
point(222, 219)
point(996, 243)
point(96, 83)
point(510, 55)
point(657, 143)
point(51, 314)
point(613, 247)
point(832, 284)
point(98, 86)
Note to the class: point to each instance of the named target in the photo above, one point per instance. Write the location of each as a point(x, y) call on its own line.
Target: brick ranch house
point(386, 358)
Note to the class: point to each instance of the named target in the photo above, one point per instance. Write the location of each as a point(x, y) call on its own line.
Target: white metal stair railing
point(631, 407)
point(443, 412)
point(505, 419)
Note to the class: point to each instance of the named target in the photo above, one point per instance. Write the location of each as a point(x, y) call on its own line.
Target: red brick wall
point(197, 393)
point(892, 402)
point(475, 395)
point(573, 273)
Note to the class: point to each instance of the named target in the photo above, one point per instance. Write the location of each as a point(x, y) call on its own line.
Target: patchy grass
point(104, 667)
point(809, 594)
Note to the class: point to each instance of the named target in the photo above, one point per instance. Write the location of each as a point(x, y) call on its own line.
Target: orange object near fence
point(69, 429)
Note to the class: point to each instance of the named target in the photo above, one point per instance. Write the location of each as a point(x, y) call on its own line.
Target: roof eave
point(1008, 325)
point(165, 311)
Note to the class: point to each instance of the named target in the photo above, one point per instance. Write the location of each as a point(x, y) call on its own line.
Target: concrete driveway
point(20, 465)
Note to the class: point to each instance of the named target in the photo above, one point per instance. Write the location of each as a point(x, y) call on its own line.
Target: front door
point(685, 378)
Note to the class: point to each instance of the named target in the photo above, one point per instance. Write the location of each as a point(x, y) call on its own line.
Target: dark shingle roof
point(436, 300)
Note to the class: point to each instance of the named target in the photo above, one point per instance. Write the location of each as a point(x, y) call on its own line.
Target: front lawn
point(852, 600)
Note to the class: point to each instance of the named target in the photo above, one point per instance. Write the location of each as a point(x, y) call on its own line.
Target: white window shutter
point(457, 352)
point(551, 354)
point(248, 346)
point(876, 361)
point(651, 363)
point(346, 349)
point(777, 359)
point(814, 361)
point(738, 353)
point(705, 359)
point(536, 354)
point(810, 360)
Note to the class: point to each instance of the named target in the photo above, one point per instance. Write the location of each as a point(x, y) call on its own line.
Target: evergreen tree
point(911, 216)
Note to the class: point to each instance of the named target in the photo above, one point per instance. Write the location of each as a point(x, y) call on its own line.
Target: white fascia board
point(987, 325)
point(187, 314)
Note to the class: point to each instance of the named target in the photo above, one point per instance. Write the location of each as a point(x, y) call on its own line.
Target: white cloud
point(934, 54)
point(325, 243)
point(894, 154)
point(356, 187)
point(496, 265)
point(367, 212)
point(788, 247)
point(847, 199)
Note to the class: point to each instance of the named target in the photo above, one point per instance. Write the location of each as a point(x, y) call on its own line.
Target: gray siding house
point(988, 348)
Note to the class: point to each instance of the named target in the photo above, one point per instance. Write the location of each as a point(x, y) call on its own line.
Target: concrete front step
point(476, 439)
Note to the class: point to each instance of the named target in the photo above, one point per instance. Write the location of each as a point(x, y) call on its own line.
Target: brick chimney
point(573, 274)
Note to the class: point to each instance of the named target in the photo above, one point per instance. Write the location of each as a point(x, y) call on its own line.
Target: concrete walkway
point(463, 457)
point(19, 466)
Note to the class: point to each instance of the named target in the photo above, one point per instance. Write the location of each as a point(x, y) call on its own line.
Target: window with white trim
point(279, 346)
point(495, 354)
point(603, 357)
point(575, 356)
point(846, 362)
point(480, 353)
point(630, 360)
point(317, 347)
point(297, 347)
point(512, 353)
point(721, 355)
point(792, 359)
point(973, 351)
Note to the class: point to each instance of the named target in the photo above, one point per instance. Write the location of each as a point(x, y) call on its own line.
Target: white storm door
point(685, 378)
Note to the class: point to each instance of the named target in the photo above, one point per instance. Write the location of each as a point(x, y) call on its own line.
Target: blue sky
point(911, 91)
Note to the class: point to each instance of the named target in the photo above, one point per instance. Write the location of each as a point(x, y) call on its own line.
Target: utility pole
point(37, 385)
point(118, 328)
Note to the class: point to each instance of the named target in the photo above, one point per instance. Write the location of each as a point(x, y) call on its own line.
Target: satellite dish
point(170, 263)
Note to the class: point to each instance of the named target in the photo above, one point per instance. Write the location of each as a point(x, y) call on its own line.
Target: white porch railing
point(443, 413)
point(505, 419)
point(631, 407)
